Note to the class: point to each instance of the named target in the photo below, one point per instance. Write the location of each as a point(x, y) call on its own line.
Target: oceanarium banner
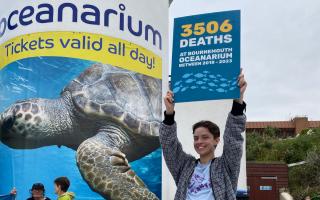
point(80, 96)
point(206, 56)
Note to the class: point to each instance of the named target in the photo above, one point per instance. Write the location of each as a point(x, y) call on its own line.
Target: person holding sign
point(209, 177)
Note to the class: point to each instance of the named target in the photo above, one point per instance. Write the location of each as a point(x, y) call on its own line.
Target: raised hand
point(169, 102)
point(242, 84)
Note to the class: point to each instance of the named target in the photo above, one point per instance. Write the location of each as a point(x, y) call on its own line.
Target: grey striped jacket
point(224, 170)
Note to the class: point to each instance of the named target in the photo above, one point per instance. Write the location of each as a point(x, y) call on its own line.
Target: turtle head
point(35, 123)
point(20, 125)
point(8, 131)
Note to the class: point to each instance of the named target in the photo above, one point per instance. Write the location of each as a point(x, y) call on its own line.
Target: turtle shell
point(130, 99)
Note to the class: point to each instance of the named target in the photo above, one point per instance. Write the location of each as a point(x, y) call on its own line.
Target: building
point(286, 128)
point(266, 180)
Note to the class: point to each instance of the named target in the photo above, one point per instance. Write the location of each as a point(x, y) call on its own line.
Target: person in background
point(13, 191)
point(10, 196)
point(38, 192)
point(61, 186)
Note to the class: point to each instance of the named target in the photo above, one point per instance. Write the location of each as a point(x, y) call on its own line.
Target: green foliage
point(303, 179)
point(271, 132)
point(267, 147)
point(301, 192)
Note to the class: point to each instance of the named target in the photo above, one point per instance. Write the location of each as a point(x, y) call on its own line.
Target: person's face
point(57, 189)
point(37, 194)
point(308, 198)
point(203, 141)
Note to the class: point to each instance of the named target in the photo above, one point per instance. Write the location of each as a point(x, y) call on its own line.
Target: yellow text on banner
point(88, 46)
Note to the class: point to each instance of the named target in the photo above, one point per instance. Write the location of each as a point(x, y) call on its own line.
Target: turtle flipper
point(106, 170)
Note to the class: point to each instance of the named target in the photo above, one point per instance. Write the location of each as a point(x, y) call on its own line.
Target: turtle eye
point(8, 123)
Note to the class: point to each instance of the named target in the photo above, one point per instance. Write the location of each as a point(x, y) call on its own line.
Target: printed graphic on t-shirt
point(199, 183)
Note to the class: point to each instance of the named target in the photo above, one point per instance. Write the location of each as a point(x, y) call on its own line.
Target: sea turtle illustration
point(109, 115)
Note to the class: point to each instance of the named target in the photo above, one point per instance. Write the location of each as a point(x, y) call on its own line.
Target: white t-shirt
point(200, 185)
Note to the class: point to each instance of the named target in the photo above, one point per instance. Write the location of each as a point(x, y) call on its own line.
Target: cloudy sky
point(280, 54)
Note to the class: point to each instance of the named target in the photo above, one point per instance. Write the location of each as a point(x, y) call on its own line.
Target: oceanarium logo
point(87, 14)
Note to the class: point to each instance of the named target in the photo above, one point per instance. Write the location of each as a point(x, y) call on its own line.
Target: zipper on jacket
point(211, 178)
point(188, 180)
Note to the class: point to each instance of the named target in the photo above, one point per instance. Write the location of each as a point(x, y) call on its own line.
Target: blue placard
point(206, 57)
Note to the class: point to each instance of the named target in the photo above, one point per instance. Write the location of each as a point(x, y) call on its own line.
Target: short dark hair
point(212, 127)
point(37, 186)
point(63, 182)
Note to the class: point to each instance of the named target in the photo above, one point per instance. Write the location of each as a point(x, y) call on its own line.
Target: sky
point(280, 54)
